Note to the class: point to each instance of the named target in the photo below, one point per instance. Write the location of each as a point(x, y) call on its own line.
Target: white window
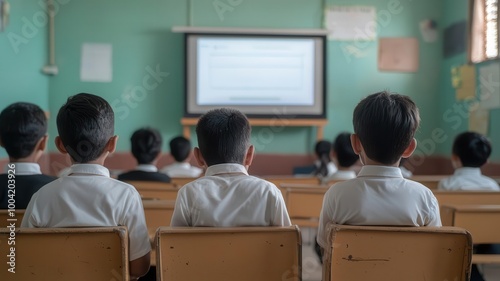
point(484, 30)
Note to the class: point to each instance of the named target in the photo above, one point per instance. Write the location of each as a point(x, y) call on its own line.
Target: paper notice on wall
point(479, 120)
point(350, 23)
point(96, 63)
point(398, 54)
point(466, 84)
point(489, 85)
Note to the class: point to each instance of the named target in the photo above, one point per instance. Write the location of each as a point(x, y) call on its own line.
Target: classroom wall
point(453, 114)
point(23, 53)
point(142, 40)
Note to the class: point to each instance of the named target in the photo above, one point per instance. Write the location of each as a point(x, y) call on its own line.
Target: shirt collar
point(89, 169)
point(346, 173)
point(24, 169)
point(228, 168)
point(146, 168)
point(181, 164)
point(468, 171)
point(380, 171)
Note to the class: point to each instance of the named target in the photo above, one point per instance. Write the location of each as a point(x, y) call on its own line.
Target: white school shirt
point(330, 167)
point(467, 178)
point(341, 175)
point(25, 169)
point(90, 198)
point(379, 195)
point(146, 168)
point(227, 196)
point(181, 170)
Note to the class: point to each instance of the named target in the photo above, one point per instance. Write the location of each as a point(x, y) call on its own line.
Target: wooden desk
point(481, 221)
point(267, 122)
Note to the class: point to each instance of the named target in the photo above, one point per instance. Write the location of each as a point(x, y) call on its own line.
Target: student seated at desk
point(384, 126)
point(146, 148)
point(23, 134)
point(88, 197)
point(180, 148)
point(345, 158)
point(323, 166)
point(227, 196)
point(470, 152)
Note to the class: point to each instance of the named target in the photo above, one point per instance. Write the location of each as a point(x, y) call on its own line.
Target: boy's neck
point(375, 163)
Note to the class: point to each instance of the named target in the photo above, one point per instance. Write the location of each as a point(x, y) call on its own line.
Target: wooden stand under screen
point(268, 122)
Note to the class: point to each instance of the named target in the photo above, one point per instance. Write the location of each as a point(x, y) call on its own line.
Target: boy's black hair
point(473, 149)
point(322, 150)
point(22, 125)
point(146, 145)
point(343, 148)
point(180, 148)
point(85, 124)
point(386, 124)
point(223, 136)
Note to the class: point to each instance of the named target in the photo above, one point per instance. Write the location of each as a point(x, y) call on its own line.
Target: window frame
point(470, 37)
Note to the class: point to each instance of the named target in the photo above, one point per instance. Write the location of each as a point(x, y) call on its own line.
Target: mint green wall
point(23, 53)
point(140, 34)
point(453, 114)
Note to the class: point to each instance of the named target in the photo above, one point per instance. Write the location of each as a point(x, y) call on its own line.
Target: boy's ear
point(42, 143)
point(111, 145)
point(410, 149)
point(356, 144)
point(249, 156)
point(60, 145)
point(199, 157)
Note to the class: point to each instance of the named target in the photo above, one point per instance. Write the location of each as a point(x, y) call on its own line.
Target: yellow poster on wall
point(464, 81)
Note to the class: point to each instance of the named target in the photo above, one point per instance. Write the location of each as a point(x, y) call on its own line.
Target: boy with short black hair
point(470, 152)
point(384, 126)
point(227, 196)
point(88, 197)
point(345, 157)
point(146, 149)
point(23, 134)
point(180, 149)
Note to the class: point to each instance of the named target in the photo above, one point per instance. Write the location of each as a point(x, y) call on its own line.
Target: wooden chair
point(237, 253)
point(180, 182)
point(155, 190)
point(482, 221)
point(66, 254)
point(158, 213)
point(431, 181)
point(467, 197)
point(304, 204)
point(397, 253)
point(5, 216)
point(280, 180)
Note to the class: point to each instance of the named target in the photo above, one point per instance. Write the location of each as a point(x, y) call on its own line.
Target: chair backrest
point(279, 180)
point(181, 181)
point(158, 213)
point(482, 221)
point(155, 190)
point(304, 204)
point(8, 216)
point(239, 253)
point(397, 253)
point(467, 197)
point(431, 181)
point(65, 254)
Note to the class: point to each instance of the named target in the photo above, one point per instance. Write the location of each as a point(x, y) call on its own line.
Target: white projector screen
point(262, 76)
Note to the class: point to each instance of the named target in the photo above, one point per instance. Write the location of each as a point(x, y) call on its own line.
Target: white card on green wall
point(489, 85)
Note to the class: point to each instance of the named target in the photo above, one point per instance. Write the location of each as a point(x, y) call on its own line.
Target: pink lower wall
point(263, 164)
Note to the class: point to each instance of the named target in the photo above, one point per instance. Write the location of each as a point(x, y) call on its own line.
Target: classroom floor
point(311, 267)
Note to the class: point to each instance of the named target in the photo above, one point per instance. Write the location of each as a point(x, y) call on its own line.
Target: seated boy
point(345, 157)
point(470, 152)
point(23, 134)
point(227, 195)
point(180, 148)
point(384, 127)
point(146, 148)
point(88, 197)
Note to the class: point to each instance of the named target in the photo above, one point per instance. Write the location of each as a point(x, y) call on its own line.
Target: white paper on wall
point(96, 63)
point(489, 85)
point(350, 23)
